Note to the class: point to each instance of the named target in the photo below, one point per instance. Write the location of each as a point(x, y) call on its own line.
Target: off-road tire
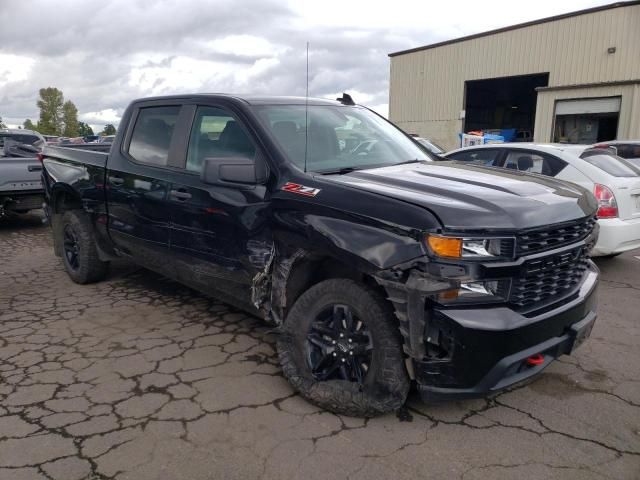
point(386, 385)
point(90, 268)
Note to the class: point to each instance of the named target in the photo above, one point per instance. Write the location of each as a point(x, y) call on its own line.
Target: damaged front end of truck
point(472, 325)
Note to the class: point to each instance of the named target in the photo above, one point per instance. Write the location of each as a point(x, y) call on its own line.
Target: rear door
point(621, 176)
point(137, 185)
point(219, 235)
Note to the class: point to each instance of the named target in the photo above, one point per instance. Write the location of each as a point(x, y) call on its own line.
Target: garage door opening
point(507, 103)
point(588, 120)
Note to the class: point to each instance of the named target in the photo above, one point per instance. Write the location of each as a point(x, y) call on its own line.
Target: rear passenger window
point(483, 156)
point(216, 133)
point(152, 134)
point(531, 162)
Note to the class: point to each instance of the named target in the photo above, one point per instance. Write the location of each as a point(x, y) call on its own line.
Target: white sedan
point(614, 181)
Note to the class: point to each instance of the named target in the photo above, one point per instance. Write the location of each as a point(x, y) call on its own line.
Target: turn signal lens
point(448, 295)
point(445, 246)
point(607, 205)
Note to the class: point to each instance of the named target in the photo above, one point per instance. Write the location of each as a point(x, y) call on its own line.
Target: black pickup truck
point(378, 266)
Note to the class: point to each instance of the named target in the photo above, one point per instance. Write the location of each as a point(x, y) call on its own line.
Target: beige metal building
point(570, 78)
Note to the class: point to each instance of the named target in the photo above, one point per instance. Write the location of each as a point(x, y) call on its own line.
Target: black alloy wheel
point(341, 349)
point(339, 346)
point(71, 247)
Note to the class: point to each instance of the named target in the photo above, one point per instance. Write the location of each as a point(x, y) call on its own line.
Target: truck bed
point(89, 153)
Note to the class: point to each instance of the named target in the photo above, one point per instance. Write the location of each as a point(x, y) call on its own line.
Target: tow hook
point(535, 360)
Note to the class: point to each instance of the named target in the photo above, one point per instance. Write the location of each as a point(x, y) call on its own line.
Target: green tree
point(2, 125)
point(84, 129)
point(51, 111)
point(28, 125)
point(109, 129)
point(70, 119)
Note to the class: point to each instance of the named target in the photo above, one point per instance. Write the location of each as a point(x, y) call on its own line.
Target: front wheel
point(340, 348)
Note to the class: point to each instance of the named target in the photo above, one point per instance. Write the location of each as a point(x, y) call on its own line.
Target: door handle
point(34, 168)
point(180, 195)
point(116, 180)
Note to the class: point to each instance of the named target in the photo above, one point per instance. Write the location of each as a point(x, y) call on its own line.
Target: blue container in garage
point(467, 140)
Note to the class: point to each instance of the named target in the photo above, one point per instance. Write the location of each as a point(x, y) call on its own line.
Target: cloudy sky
point(104, 53)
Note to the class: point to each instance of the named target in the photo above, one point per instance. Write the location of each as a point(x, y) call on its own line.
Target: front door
point(137, 187)
point(219, 234)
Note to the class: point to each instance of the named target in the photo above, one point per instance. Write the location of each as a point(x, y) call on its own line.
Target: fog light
point(492, 291)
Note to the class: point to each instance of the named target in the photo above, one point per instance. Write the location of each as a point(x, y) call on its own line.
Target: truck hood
point(469, 197)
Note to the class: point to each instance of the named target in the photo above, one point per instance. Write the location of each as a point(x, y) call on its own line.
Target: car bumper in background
point(21, 201)
point(493, 348)
point(617, 236)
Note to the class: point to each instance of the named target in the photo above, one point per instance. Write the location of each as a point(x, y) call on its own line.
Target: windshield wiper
point(339, 171)
point(415, 160)
point(343, 170)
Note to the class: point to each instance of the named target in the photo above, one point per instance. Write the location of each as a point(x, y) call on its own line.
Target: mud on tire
point(79, 252)
point(386, 384)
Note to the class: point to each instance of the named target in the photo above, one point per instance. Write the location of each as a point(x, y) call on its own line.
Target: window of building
point(586, 121)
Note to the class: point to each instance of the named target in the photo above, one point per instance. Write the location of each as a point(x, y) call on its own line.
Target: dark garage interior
point(503, 103)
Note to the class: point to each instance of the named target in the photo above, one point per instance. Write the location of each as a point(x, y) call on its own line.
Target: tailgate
point(20, 174)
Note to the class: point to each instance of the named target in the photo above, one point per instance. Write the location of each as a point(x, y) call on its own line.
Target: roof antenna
point(346, 99)
point(306, 114)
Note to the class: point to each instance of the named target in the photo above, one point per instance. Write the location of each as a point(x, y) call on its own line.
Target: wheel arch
point(297, 270)
point(64, 198)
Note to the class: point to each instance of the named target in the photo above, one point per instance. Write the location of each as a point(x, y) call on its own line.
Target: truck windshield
point(338, 137)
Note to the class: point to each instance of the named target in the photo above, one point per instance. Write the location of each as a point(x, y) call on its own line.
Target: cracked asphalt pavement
point(137, 377)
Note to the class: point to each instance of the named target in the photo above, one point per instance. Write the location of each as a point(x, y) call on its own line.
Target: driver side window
point(216, 133)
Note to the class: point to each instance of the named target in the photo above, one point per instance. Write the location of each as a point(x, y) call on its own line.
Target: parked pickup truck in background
point(20, 171)
point(378, 266)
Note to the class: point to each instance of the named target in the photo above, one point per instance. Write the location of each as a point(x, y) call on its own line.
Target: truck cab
point(378, 266)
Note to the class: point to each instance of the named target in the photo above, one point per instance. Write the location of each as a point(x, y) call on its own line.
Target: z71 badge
point(300, 189)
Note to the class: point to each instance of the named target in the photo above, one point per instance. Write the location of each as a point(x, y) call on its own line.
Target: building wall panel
point(427, 86)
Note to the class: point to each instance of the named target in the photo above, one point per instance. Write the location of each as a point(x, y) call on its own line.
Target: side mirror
point(234, 171)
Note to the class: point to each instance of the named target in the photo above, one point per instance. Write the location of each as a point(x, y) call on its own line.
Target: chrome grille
point(553, 236)
point(544, 278)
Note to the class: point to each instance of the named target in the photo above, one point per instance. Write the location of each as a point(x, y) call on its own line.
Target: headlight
point(475, 292)
point(460, 247)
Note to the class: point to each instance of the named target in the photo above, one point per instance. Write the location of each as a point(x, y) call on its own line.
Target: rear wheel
point(79, 252)
point(342, 351)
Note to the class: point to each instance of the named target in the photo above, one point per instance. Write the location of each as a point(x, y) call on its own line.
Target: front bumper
point(486, 349)
point(617, 236)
